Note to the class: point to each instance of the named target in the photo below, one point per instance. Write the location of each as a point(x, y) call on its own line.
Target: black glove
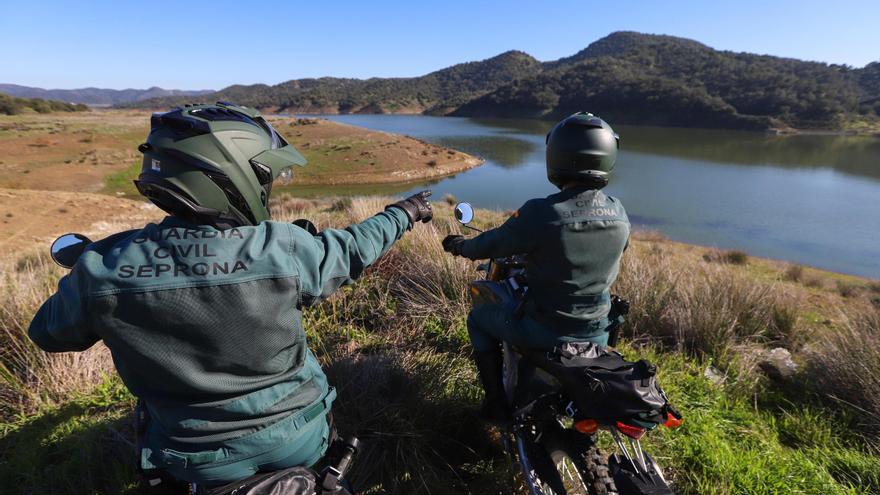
point(417, 207)
point(453, 243)
point(306, 225)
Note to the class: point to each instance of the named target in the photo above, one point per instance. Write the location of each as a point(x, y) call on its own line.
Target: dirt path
point(30, 219)
point(68, 152)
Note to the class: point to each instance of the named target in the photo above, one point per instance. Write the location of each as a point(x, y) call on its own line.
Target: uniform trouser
point(490, 324)
point(305, 450)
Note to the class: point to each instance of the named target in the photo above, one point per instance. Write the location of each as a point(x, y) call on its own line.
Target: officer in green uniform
point(573, 241)
point(202, 311)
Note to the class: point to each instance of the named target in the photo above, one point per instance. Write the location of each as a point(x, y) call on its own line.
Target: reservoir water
point(809, 199)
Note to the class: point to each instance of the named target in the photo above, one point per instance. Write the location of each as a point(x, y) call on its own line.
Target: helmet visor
point(277, 140)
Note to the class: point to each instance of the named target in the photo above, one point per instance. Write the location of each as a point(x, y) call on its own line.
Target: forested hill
point(438, 92)
point(626, 77)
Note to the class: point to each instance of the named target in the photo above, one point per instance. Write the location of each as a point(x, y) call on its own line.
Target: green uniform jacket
point(573, 240)
point(204, 326)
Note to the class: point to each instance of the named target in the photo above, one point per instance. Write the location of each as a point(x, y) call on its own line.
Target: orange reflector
point(672, 421)
point(587, 426)
point(633, 432)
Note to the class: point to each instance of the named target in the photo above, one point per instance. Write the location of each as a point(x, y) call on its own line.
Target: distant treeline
point(627, 77)
point(10, 105)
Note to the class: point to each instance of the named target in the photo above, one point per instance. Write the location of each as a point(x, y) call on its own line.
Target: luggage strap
point(331, 475)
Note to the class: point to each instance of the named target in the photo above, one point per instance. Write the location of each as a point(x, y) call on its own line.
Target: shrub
point(733, 257)
point(9, 105)
point(795, 273)
point(848, 289)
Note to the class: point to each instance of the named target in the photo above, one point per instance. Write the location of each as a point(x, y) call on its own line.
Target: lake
point(809, 199)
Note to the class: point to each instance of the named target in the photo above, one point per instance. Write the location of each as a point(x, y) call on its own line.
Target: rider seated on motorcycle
point(202, 311)
point(573, 242)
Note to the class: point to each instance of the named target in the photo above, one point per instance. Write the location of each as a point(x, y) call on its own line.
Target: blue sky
point(209, 45)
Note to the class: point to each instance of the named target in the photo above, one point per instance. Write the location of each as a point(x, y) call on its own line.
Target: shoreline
point(773, 131)
point(97, 213)
point(95, 151)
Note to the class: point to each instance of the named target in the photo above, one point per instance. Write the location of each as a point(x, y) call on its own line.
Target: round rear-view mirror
point(68, 248)
point(464, 213)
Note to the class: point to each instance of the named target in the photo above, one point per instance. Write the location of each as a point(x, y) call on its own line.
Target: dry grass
point(844, 366)
point(703, 308)
point(29, 378)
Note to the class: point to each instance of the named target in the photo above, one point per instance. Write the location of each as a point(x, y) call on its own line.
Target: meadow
point(718, 324)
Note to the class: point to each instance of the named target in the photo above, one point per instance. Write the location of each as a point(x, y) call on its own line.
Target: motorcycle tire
point(566, 462)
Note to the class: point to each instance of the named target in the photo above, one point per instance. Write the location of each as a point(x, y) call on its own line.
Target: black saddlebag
point(604, 386)
point(292, 481)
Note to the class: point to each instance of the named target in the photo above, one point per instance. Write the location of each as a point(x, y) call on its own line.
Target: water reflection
point(857, 155)
point(509, 152)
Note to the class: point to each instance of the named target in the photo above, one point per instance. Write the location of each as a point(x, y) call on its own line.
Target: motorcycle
point(554, 447)
point(330, 480)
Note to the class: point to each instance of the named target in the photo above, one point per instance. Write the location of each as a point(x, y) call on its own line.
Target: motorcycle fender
point(488, 292)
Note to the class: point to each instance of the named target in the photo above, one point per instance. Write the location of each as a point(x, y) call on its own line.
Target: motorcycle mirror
point(67, 249)
point(464, 213)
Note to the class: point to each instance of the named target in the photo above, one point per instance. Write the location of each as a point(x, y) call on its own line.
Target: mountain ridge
point(96, 96)
point(631, 77)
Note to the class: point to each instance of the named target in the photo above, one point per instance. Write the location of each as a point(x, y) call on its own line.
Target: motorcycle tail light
point(587, 426)
point(633, 432)
point(672, 421)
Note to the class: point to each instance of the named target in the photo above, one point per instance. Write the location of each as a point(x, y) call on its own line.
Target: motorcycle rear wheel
point(565, 462)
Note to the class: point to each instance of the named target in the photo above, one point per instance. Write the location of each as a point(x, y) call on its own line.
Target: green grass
point(727, 445)
point(81, 446)
point(120, 182)
point(426, 434)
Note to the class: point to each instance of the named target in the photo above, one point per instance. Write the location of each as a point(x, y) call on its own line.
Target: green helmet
point(582, 147)
point(214, 164)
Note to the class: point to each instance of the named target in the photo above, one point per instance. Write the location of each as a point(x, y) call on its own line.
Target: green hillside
point(626, 77)
point(437, 92)
point(869, 82)
point(647, 79)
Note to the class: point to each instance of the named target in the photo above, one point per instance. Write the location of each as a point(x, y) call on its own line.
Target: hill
point(627, 77)
point(649, 79)
point(869, 82)
point(437, 92)
point(96, 96)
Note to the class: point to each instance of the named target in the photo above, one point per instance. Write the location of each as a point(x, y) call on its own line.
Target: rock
point(777, 364)
point(714, 375)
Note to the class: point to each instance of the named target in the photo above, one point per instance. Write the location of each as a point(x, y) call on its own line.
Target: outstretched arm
point(59, 324)
point(337, 257)
point(518, 235)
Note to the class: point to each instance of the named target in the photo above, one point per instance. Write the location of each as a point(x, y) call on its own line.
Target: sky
point(210, 45)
